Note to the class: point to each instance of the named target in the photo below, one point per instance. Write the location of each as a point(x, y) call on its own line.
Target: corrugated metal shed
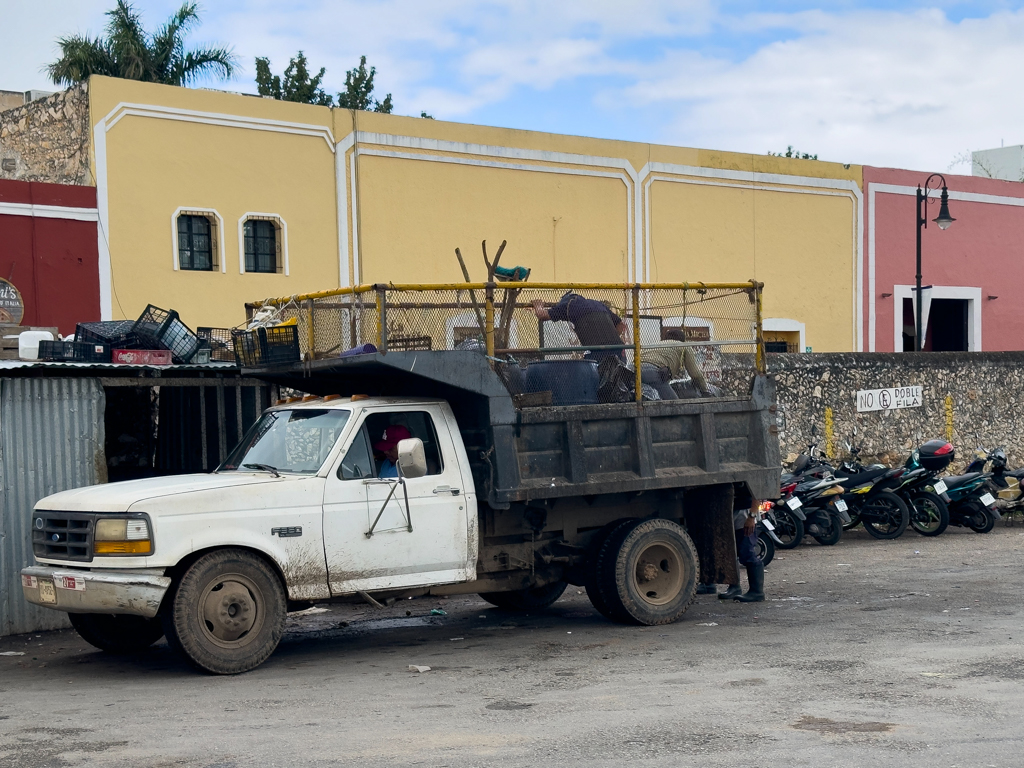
point(51, 439)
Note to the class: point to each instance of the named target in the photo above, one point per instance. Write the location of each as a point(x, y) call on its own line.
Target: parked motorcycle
point(922, 489)
point(969, 496)
point(869, 494)
point(815, 504)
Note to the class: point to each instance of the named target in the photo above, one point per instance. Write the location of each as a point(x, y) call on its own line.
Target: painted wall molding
point(49, 211)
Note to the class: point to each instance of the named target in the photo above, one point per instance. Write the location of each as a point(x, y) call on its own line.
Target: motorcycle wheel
point(765, 548)
point(885, 516)
point(854, 521)
point(982, 521)
point(834, 532)
point(929, 515)
point(789, 529)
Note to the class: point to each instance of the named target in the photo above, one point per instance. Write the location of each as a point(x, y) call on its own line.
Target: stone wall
point(48, 139)
point(985, 405)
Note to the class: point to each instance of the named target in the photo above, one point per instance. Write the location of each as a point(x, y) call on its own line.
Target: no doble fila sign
point(888, 399)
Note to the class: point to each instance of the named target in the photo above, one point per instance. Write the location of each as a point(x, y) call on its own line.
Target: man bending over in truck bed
point(660, 365)
point(595, 325)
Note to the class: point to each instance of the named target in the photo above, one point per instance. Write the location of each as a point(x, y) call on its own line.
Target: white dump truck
point(436, 483)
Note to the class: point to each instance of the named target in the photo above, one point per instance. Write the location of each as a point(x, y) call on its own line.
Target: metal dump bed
point(583, 450)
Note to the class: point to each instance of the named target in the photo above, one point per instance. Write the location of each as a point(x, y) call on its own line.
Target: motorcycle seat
point(955, 481)
point(851, 480)
point(1018, 473)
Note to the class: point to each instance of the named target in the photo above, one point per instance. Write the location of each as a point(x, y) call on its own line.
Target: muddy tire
point(929, 515)
point(647, 572)
point(227, 614)
point(598, 550)
point(117, 633)
point(527, 599)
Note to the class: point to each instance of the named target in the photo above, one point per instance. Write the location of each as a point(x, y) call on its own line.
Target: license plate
point(841, 505)
point(794, 503)
point(47, 592)
point(987, 500)
point(939, 487)
point(768, 524)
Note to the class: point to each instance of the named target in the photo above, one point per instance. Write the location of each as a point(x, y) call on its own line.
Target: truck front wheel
point(117, 633)
point(527, 599)
point(228, 612)
point(646, 573)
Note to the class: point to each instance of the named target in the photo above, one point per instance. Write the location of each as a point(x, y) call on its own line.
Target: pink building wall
point(982, 253)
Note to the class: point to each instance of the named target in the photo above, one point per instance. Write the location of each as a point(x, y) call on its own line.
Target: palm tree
point(128, 51)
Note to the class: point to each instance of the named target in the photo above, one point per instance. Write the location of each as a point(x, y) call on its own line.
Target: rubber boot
point(707, 589)
point(734, 591)
point(755, 576)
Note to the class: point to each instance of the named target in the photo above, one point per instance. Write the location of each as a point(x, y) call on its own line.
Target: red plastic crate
point(142, 356)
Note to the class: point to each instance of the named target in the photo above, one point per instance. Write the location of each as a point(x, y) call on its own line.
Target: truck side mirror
point(411, 458)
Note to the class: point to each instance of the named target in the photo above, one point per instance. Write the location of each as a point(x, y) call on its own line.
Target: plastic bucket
point(571, 382)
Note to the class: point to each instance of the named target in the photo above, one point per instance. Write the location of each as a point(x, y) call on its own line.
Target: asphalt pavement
point(905, 653)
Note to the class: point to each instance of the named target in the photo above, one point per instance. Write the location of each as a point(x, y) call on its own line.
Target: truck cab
point(302, 492)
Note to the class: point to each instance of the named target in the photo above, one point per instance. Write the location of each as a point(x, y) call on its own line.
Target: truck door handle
point(447, 489)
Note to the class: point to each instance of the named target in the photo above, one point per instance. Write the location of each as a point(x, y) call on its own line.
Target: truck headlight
point(122, 536)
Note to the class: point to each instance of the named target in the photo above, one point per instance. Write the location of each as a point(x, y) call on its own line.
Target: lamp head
point(944, 219)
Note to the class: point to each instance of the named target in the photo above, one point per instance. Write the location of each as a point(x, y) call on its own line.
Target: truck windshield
point(297, 441)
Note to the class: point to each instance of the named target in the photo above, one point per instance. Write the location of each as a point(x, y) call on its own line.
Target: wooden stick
point(472, 293)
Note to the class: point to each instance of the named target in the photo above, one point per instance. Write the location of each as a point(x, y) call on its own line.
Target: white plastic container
point(28, 343)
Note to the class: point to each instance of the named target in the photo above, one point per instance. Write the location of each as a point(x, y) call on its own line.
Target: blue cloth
point(387, 469)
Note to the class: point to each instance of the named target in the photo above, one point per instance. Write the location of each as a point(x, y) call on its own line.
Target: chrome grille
point(63, 535)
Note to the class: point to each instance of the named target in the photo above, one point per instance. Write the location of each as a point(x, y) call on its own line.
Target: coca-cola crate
point(142, 356)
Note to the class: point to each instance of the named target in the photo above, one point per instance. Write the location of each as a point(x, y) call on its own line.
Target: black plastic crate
point(280, 344)
point(277, 345)
point(74, 351)
point(247, 348)
point(116, 334)
point(162, 329)
point(219, 341)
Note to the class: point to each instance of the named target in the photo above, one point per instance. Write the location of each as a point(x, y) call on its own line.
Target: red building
point(973, 303)
point(48, 250)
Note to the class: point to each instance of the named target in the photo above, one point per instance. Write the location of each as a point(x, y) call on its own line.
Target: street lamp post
point(943, 220)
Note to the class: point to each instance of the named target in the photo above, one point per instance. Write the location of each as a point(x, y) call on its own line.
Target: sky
point(910, 84)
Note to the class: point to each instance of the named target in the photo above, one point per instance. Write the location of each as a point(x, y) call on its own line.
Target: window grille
point(197, 248)
point(262, 245)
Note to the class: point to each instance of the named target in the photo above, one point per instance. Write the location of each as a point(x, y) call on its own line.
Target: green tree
point(130, 52)
point(297, 85)
point(790, 152)
point(359, 90)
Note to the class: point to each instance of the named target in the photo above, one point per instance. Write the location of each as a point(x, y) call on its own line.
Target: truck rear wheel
point(228, 612)
point(117, 633)
point(598, 551)
point(646, 573)
point(527, 599)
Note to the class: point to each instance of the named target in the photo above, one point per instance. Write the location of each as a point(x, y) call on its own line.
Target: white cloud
point(909, 89)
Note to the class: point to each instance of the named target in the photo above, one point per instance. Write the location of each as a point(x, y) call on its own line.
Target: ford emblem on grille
point(55, 537)
point(39, 523)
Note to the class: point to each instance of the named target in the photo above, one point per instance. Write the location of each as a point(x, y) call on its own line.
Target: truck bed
point(549, 452)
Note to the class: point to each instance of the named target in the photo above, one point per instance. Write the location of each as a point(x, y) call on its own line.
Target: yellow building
point(208, 200)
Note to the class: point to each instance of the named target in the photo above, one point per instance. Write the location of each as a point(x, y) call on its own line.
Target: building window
point(262, 243)
point(197, 245)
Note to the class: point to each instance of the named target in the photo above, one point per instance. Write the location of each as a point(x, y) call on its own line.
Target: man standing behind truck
point(744, 519)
